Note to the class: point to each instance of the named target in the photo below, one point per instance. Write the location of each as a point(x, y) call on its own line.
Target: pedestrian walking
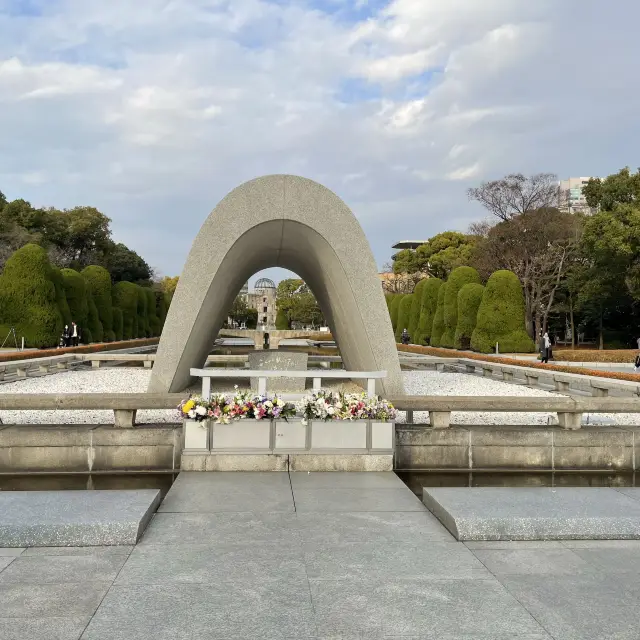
point(636, 364)
point(406, 338)
point(638, 341)
point(545, 348)
point(66, 336)
point(75, 334)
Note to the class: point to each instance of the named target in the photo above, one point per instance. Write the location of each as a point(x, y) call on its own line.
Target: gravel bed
point(135, 380)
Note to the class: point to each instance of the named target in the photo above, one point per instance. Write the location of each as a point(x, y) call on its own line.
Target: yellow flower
point(188, 406)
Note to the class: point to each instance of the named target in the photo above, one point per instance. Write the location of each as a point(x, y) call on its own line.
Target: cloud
point(153, 111)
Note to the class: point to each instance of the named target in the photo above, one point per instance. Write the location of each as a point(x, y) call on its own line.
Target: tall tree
point(125, 265)
point(516, 194)
point(620, 188)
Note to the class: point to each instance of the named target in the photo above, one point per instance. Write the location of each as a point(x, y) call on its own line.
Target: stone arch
point(290, 222)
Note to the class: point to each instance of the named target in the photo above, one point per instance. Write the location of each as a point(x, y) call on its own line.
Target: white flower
point(201, 411)
point(192, 414)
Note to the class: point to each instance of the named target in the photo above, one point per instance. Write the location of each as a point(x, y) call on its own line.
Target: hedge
point(437, 329)
point(428, 308)
point(155, 327)
point(143, 319)
point(99, 282)
point(501, 317)
point(414, 314)
point(75, 289)
point(93, 332)
point(469, 299)
point(394, 309)
point(162, 304)
point(594, 355)
point(457, 279)
point(94, 348)
point(125, 298)
point(451, 353)
point(117, 323)
point(61, 296)
point(404, 315)
point(28, 298)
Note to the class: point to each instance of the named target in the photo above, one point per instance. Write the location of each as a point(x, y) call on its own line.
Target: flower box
point(290, 434)
point(196, 435)
point(241, 435)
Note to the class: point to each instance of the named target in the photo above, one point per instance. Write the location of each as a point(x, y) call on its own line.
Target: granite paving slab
point(51, 600)
point(611, 560)
point(42, 628)
point(239, 562)
point(5, 561)
point(219, 611)
point(116, 550)
point(430, 610)
point(585, 606)
point(532, 561)
point(229, 527)
point(62, 569)
point(75, 518)
point(11, 552)
point(379, 561)
point(540, 513)
point(346, 480)
point(330, 499)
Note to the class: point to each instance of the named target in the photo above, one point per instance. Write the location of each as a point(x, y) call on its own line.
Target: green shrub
point(61, 296)
point(428, 308)
point(394, 309)
point(87, 336)
point(404, 315)
point(501, 317)
point(75, 288)
point(99, 282)
point(125, 298)
point(161, 307)
point(469, 299)
point(155, 328)
point(282, 321)
point(414, 315)
point(457, 279)
point(117, 323)
point(143, 317)
point(94, 325)
point(437, 328)
point(28, 299)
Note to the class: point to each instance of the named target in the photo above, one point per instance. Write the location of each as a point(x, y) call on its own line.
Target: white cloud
point(152, 111)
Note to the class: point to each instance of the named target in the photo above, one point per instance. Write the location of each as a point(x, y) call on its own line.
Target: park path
point(340, 556)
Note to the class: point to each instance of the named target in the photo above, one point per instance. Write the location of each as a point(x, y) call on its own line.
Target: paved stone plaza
point(326, 556)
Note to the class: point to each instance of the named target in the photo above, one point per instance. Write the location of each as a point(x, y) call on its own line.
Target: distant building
point(570, 197)
point(407, 244)
point(263, 298)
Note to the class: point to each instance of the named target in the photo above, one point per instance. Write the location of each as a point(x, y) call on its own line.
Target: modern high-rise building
point(570, 197)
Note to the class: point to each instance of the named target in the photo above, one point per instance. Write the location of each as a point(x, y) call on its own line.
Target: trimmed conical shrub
point(438, 319)
point(414, 316)
point(95, 331)
point(501, 317)
point(404, 315)
point(456, 280)
point(469, 299)
point(99, 282)
point(117, 323)
point(61, 296)
point(394, 310)
point(143, 319)
point(428, 308)
point(125, 298)
point(162, 304)
point(28, 299)
point(75, 289)
point(154, 322)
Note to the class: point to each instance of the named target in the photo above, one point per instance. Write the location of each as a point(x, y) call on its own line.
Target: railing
point(123, 405)
point(262, 375)
point(569, 409)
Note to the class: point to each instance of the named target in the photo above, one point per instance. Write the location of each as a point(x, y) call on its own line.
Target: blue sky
point(153, 111)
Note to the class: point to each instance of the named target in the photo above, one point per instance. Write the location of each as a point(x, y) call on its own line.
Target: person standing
point(638, 341)
point(544, 348)
point(74, 334)
point(405, 337)
point(66, 336)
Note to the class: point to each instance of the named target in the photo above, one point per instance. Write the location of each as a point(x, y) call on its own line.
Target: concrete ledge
point(580, 513)
point(75, 518)
point(340, 462)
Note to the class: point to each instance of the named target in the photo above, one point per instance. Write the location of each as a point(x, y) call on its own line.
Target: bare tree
point(539, 247)
point(516, 194)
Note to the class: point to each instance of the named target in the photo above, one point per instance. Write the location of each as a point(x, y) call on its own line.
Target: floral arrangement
point(271, 408)
point(195, 408)
point(328, 405)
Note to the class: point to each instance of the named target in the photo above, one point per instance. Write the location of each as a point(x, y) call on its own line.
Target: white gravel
point(135, 380)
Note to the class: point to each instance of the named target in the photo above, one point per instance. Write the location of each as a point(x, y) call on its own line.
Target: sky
point(154, 110)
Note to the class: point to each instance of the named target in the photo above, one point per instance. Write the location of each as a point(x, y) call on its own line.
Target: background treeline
point(59, 266)
point(461, 313)
point(579, 272)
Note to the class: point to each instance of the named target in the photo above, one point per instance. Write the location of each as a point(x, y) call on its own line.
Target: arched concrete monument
point(291, 222)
